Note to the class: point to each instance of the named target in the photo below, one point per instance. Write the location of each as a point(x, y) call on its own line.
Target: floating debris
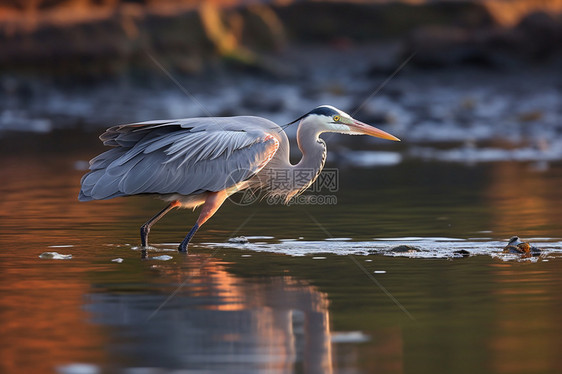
point(239, 240)
point(517, 246)
point(162, 258)
point(118, 260)
point(54, 256)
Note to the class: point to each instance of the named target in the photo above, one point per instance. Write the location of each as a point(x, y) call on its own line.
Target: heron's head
point(326, 118)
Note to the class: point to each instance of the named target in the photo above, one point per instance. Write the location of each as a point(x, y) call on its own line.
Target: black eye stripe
point(321, 110)
point(324, 111)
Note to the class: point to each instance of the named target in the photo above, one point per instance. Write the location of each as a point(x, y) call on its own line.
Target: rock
point(238, 240)
point(404, 249)
point(516, 246)
point(462, 253)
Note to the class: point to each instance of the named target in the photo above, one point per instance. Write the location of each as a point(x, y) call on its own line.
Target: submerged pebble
point(54, 256)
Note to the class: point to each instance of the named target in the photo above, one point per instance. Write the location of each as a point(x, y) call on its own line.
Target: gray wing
point(186, 157)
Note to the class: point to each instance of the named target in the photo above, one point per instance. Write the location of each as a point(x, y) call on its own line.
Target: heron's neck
point(313, 157)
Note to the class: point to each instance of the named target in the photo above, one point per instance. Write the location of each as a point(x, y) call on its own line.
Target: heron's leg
point(211, 205)
point(145, 229)
point(183, 245)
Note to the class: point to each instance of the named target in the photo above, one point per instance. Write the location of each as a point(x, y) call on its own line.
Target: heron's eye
point(336, 118)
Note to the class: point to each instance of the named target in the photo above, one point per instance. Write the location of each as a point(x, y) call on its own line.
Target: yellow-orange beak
point(363, 128)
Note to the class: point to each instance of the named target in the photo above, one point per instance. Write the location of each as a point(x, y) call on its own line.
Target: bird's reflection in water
point(217, 321)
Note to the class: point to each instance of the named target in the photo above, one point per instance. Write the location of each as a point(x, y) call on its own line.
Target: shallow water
point(317, 289)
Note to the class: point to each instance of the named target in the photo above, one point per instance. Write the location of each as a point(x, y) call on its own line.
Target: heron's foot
point(183, 247)
point(144, 230)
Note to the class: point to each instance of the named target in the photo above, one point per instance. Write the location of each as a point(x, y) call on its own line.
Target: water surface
point(316, 289)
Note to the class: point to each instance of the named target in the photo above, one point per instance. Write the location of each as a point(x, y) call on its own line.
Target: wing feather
point(179, 157)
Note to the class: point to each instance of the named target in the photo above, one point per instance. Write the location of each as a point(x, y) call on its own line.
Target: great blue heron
point(201, 161)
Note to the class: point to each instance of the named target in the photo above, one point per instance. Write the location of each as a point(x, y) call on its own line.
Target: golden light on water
point(43, 318)
point(521, 199)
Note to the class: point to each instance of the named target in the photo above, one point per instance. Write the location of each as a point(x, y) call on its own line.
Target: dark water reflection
point(219, 322)
point(235, 310)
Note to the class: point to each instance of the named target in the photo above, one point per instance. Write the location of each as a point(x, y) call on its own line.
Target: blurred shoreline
point(88, 40)
point(473, 80)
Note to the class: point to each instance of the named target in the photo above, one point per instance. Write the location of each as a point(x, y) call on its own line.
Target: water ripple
point(411, 247)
